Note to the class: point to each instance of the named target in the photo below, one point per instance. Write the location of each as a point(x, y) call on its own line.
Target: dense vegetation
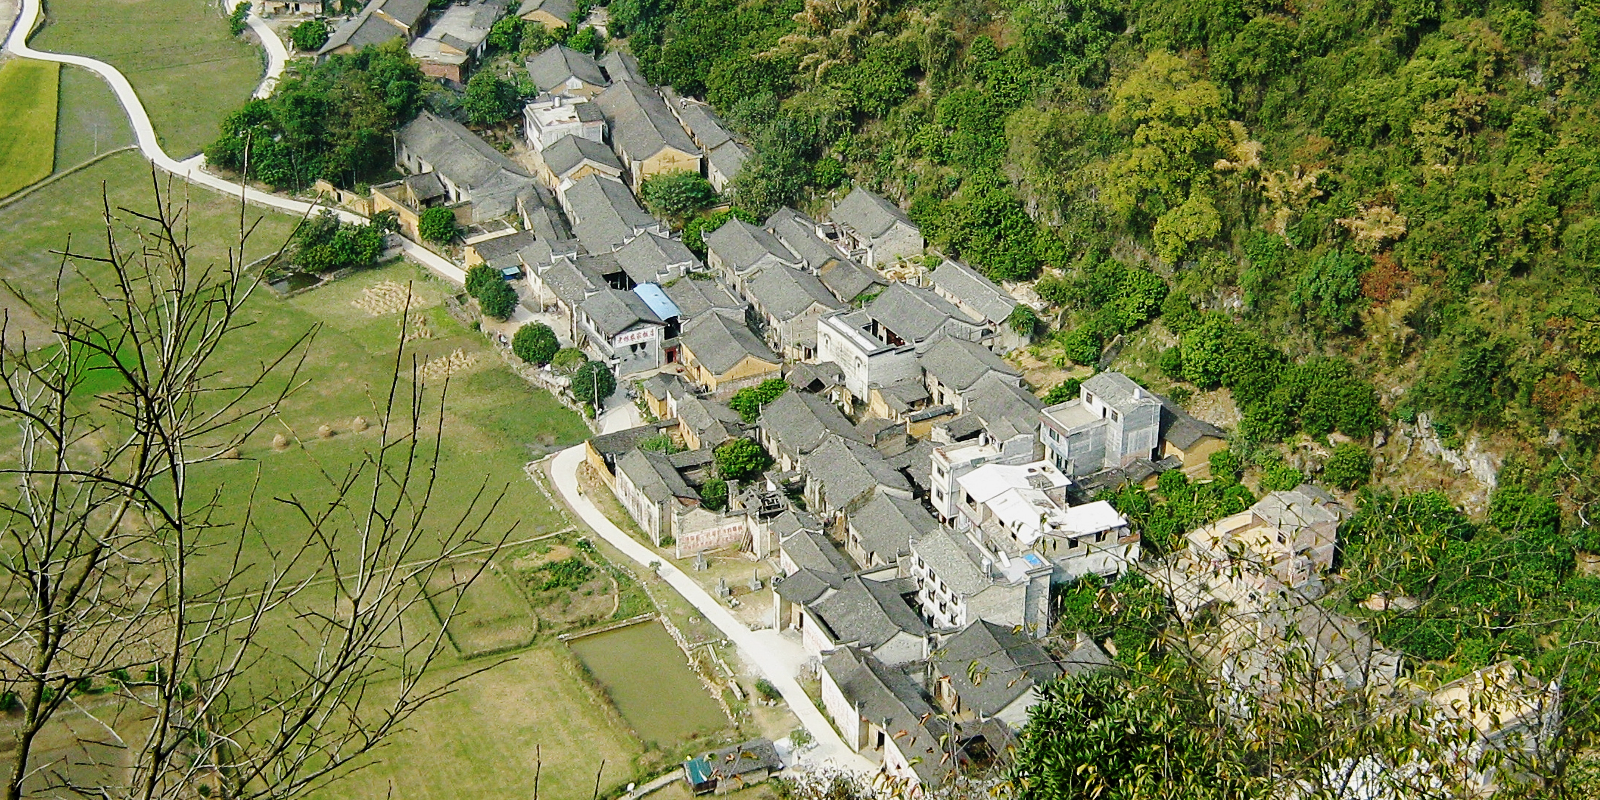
point(332, 119)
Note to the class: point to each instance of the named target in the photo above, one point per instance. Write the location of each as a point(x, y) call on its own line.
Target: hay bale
point(358, 424)
point(280, 442)
point(325, 432)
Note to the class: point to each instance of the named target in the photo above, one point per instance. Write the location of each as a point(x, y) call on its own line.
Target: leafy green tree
point(237, 20)
point(1280, 477)
point(437, 225)
point(535, 343)
point(481, 276)
point(507, 33)
point(677, 195)
point(695, 230)
point(1095, 735)
point(498, 300)
point(1081, 345)
point(1063, 391)
point(325, 244)
point(738, 459)
point(1349, 467)
point(714, 494)
point(1023, 320)
point(1329, 291)
point(592, 383)
point(587, 40)
point(309, 36)
point(750, 400)
point(490, 99)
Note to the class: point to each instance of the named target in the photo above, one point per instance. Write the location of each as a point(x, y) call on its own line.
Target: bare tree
point(250, 677)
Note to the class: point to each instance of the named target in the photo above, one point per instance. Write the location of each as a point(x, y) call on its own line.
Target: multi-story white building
point(1018, 508)
point(1111, 423)
point(552, 116)
point(846, 339)
point(950, 462)
point(959, 581)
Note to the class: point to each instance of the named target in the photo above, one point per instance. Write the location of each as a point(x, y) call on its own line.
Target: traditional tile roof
point(620, 65)
point(959, 364)
point(786, 293)
point(801, 422)
point(1004, 408)
point(844, 471)
point(798, 232)
point(570, 152)
point(868, 213)
point(712, 422)
point(650, 257)
point(719, 343)
point(560, 9)
point(696, 296)
point(458, 154)
point(551, 69)
point(755, 755)
point(892, 699)
point(886, 524)
point(641, 125)
point(973, 290)
point(1008, 665)
point(729, 157)
point(865, 611)
point(614, 311)
point(604, 213)
point(848, 279)
point(914, 314)
point(655, 476)
point(742, 247)
point(808, 547)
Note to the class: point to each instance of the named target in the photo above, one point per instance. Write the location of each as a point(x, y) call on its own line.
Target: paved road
point(192, 169)
point(778, 658)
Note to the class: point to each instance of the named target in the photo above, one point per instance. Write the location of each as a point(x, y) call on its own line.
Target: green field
point(28, 91)
point(484, 737)
point(188, 70)
point(89, 120)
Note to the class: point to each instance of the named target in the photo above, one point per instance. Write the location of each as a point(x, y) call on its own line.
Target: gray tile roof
point(969, 287)
point(560, 9)
point(1182, 429)
point(696, 296)
point(786, 293)
point(720, 343)
point(959, 364)
point(615, 311)
point(808, 547)
point(570, 282)
point(798, 232)
point(491, 249)
point(849, 280)
point(814, 377)
point(1004, 408)
point(614, 445)
point(915, 463)
point(365, 28)
point(866, 611)
point(844, 471)
point(913, 313)
point(891, 698)
point(806, 585)
point(655, 476)
point(551, 69)
point(800, 422)
point(458, 154)
point(712, 422)
point(886, 524)
point(742, 247)
point(954, 559)
point(620, 65)
point(867, 213)
point(425, 187)
point(641, 125)
point(698, 118)
point(905, 395)
point(405, 12)
point(729, 157)
point(1006, 664)
point(650, 256)
point(663, 384)
point(604, 213)
point(570, 152)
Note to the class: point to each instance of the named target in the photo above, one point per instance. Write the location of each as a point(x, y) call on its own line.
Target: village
point(917, 503)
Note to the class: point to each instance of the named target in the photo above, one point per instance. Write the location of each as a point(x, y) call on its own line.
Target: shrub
point(749, 400)
point(1280, 477)
point(714, 494)
point(1350, 466)
point(309, 36)
point(592, 383)
point(437, 225)
point(765, 688)
point(568, 573)
point(738, 459)
point(567, 360)
point(237, 21)
point(677, 195)
point(1023, 320)
point(1081, 345)
point(1063, 391)
point(535, 343)
point(498, 300)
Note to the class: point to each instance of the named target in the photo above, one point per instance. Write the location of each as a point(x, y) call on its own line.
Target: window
point(1100, 537)
point(1088, 398)
point(1072, 544)
point(1115, 417)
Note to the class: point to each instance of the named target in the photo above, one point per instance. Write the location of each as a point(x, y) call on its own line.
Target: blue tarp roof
point(697, 770)
point(657, 300)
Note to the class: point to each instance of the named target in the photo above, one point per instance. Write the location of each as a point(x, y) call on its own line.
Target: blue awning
point(657, 300)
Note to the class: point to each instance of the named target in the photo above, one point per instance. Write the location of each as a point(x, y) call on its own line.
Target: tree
point(1063, 391)
point(1081, 345)
point(588, 40)
point(695, 230)
point(738, 459)
point(1023, 320)
point(237, 21)
point(750, 400)
point(535, 343)
point(490, 99)
point(593, 383)
point(1349, 467)
point(714, 494)
point(677, 195)
point(568, 360)
point(437, 225)
point(124, 577)
point(480, 276)
point(498, 300)
point(324, 243)
point(507, 33)
point(309, 36)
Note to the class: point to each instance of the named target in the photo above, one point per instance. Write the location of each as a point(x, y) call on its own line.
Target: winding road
point(776, 657)
point(192, 169)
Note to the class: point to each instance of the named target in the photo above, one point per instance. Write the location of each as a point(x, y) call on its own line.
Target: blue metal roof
point(657, 300)
point(697, 770)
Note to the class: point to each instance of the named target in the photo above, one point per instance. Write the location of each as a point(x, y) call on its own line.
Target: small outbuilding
point(732, 768)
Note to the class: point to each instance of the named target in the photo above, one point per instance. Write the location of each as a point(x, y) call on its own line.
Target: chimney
point(1138, 393)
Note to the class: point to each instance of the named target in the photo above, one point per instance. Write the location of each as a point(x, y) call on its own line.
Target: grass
point(187, 69)
point(28, 92)
point(491, 616)
point(89, 120)
point(484, 740)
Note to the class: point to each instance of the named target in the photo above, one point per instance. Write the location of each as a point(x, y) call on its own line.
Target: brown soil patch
point(1040, 373)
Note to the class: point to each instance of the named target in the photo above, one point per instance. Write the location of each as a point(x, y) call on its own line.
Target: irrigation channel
point(642, 670)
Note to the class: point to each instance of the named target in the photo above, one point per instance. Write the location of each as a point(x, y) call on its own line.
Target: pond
point(295, 281)
point(644, 673)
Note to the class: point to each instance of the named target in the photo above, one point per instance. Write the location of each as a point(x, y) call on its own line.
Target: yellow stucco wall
point(668, 160)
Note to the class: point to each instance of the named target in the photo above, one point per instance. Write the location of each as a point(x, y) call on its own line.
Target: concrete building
point(846, 338)
point(552, 117)
point(625, 332)
point(951, 462)
point(960, 581)
point(1021, 508)
point(1112, 422)
point(875, 231)
point(1288, 537)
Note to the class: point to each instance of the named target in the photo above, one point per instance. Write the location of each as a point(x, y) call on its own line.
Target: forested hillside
point(1405, 188)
